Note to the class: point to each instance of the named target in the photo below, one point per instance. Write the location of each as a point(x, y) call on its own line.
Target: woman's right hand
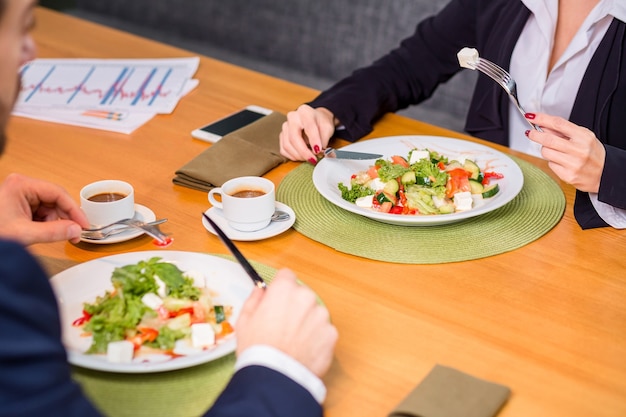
point(306, 133)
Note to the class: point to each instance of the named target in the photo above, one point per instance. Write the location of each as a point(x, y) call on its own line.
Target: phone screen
point(234, 122)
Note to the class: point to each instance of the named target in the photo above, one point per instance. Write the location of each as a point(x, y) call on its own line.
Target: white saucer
point(142, 213)
point(273, 229)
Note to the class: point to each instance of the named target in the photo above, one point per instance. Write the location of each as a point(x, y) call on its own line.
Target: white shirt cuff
point(611, 215)
point(279, 361)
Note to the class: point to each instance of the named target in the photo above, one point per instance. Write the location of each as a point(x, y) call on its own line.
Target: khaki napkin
point(446, 392)
point(252, 150)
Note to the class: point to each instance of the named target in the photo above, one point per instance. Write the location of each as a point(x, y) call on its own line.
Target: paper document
point(112, 121)
point(110, 94)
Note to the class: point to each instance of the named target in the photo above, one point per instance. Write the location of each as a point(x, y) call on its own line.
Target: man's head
point(16, 21)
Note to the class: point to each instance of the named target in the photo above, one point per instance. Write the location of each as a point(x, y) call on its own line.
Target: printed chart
point(153, 86)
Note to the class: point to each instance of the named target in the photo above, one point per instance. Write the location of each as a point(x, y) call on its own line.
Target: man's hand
point(288, 317)
point(36, 211)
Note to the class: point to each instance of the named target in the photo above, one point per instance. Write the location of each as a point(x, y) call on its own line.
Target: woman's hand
point(306, 133)
point(36, 211)
point(573, 152)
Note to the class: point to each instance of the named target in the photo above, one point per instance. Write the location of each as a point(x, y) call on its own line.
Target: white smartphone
point(215, 130)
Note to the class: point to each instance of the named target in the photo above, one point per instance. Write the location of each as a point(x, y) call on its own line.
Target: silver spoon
point(280, 216)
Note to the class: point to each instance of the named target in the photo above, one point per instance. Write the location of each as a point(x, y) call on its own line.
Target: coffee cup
point(247, 202)
point(108, 201)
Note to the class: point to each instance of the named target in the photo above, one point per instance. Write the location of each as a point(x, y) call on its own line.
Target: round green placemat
point(185, 392)
point(531, 214)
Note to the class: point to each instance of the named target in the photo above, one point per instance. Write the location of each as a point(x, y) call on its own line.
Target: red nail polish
point(316, 149)
point(529, 116)
point(312, 161)
point(527, 132)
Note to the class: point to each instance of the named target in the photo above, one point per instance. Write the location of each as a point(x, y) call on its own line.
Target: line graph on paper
point(153, 86)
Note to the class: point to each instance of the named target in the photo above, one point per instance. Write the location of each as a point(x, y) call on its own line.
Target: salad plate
point(328, 173)
point(142, 213)
point(84, 282)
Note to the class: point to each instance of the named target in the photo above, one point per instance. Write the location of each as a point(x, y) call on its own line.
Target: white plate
point(84, 282)
point(273, 229)
point(329, 172)
point(142, 213)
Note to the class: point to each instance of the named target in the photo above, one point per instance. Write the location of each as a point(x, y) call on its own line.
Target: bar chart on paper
point(153, 86)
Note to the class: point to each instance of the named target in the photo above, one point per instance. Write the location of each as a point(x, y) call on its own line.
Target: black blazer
point(411, 73)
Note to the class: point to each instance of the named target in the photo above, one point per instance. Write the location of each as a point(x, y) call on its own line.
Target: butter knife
point(338, 154)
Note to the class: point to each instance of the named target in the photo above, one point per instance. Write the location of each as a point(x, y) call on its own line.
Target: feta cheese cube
point(376, 184)
point(183, 347)
point(152, 300)
point(365, 202)
point(418, 155)
point(463, 201)
point(468, 58)
point(120, 352)
point(202, 335)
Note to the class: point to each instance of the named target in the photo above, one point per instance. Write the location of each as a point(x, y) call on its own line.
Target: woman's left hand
point(573, 152)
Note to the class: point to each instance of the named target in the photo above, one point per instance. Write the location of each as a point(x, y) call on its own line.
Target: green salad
point(154, 305)
point(422, 183)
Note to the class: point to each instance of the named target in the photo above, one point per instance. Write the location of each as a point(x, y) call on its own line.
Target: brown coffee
point(106, 197)
point(248, 193)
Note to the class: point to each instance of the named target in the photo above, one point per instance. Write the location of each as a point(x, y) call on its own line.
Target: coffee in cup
point(248, 203)
point(108, 201)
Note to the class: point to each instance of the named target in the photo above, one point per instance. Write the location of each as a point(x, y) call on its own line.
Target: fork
point(100, 234)
point(504, 79)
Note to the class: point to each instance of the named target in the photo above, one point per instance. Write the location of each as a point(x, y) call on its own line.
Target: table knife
point(337, 154)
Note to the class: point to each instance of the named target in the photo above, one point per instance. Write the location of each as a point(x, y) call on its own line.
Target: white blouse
point(554, 92)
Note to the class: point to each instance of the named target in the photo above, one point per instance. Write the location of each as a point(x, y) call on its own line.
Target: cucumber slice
point(408, 177)
point(384, 197)
point(476, 187)
point(391, 187)
point(490, 191)
point(471, 167)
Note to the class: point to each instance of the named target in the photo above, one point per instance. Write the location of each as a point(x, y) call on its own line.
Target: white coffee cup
point(107, 201)
point(247, 202)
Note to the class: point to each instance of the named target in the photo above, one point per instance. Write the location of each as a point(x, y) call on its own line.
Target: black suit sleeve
point(35, 377)
point(261, 392)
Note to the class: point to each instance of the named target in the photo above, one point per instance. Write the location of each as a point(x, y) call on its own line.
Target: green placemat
point(532, 213)
point(182, 393)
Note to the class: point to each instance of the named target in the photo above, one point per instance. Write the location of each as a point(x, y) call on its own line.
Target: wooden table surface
point(548, 320)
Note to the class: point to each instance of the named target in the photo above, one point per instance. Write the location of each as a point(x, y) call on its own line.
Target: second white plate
point(330, 172)
point(84, 282)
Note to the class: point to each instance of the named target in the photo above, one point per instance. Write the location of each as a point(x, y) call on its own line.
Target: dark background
point(58, 4)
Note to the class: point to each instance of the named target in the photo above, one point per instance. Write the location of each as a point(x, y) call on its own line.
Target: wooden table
point(548, 320)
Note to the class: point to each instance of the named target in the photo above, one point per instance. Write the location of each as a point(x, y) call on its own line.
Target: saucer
point(142, 213)
point(272, 229)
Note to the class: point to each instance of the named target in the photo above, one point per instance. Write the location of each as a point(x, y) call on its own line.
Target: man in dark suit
point(585, 145)
point(285, 340)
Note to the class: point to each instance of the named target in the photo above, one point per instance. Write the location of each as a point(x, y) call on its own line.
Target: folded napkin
point(446, 392)
point(250, 151)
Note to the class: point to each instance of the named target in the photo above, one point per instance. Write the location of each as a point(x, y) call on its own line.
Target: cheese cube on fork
point(468, 58)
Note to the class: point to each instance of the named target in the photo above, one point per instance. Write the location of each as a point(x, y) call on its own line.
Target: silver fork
point(103, 234)
point(504, 79)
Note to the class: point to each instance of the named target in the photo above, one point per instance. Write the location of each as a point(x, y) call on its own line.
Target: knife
point(256, 278)
point(333, 153)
